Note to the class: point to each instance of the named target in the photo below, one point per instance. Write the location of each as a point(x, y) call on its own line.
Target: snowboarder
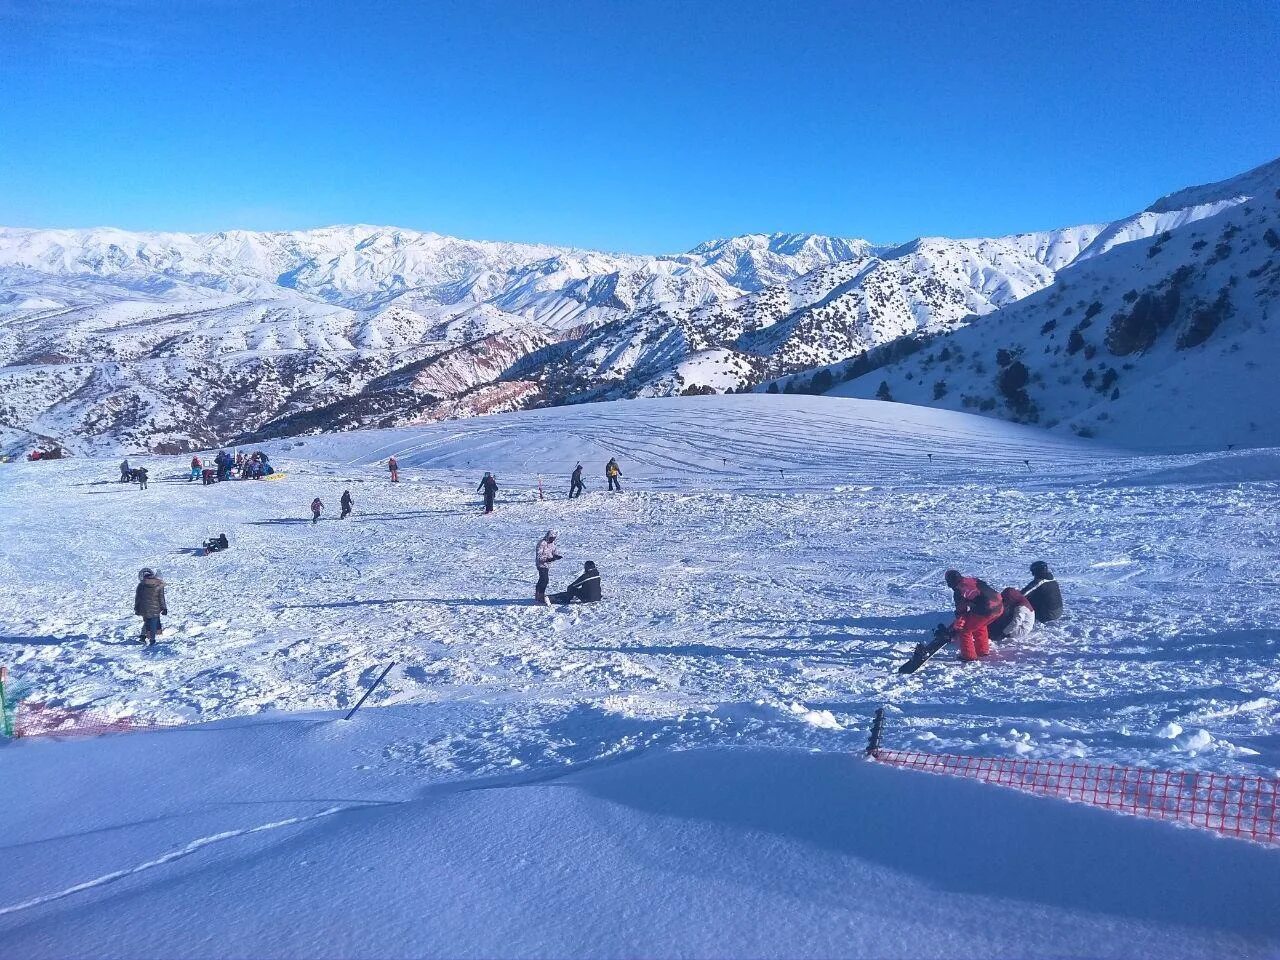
point(575, 482)
point(489, 484)
point(149, 604)
point(544, 556)
point(1018, 619)
point(125, 473)
point(197, 469)
point(394, 468)
point(977, 604)
point(141, 474)
point(316, 506)
point(586, 589)
point(613, 473)
point(346, 503)
point(1043, 593)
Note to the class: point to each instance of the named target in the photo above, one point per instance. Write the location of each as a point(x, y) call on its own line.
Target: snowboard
point(925, 651)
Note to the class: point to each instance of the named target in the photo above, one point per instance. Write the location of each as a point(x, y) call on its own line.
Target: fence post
point(877, 727)
point(372, 687)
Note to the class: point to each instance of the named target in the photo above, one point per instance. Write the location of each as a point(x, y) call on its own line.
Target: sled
point(275, 476)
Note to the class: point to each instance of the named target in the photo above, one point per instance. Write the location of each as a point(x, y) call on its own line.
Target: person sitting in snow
point(1018, 619)
point(149, 603)
point(216, 544)
point(1043, 593)
point(977, 604)
point(544, 556)
point(586, 589)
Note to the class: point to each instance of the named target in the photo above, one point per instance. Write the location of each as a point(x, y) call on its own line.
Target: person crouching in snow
point(977, 604)
point(316, 506)
point(1018, 619)
point(149, 604)
point(544, 556)
point(586, 589)
point(1043, 593)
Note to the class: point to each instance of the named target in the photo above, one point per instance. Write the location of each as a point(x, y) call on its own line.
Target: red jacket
point(975, 596)
point(1013, 596)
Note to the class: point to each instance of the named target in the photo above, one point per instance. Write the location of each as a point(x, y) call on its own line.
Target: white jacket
point(1020, 626)
point(545, 554)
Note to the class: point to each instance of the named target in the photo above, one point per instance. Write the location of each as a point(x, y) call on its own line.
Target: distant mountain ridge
point(174, 341)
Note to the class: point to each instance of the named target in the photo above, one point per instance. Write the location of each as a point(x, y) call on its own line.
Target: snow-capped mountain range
point(170, 341)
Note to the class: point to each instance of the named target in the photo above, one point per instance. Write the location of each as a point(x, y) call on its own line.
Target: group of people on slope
point(130, 474)
point(256, 466)
point(585, 589)
point(345, 503)
point(612, 472)
point(982, 613)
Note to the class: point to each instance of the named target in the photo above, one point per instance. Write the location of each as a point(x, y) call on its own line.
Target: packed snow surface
point(770, 564)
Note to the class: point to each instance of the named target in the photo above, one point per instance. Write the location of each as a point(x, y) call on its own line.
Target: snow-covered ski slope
point(771, 561)
point(770, 564)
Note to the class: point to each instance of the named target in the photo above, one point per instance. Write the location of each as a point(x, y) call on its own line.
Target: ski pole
point(360, 702)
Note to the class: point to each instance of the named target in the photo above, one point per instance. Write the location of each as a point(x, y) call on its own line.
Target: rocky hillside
point(1170, 340)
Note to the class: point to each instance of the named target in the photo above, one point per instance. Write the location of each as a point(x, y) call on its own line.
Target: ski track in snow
point(768, 567)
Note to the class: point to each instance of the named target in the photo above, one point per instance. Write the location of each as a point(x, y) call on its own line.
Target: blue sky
point(644, 126)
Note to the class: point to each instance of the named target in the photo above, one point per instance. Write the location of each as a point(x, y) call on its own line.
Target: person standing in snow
point(1018, 619)
point(1043, 593)
point(543, 557)
point(346, 503)
point(196, 469)
point(586, 589)
point(125, 473)
point(575, 483)
point(316, 506)
point(977, 604)
point(394, 469)
point(613, 473)
point(489, 484)
point(141, 474)
point(149, 603)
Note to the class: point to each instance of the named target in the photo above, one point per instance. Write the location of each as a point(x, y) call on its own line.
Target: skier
point(141, 474)
point(544, 556)
point(196, 469)
point(1018, 619)
point(316, 506)
point(394, 467)
point(613, 473)
point(125, 473)
point(977, 604)
point(346, 503)
point(149, 603)
point(489, 484)
point(1043, 593)
point(586, 589)
point(575, 483)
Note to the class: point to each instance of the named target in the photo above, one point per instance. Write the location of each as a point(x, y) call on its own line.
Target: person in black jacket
point(575, 482)
point(489, 484)
point(346, 503)
point(1043, 593)
point(149, 603)
point(586, 589)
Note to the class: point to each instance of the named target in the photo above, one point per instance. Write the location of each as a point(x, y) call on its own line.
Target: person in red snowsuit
point(977, 604)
